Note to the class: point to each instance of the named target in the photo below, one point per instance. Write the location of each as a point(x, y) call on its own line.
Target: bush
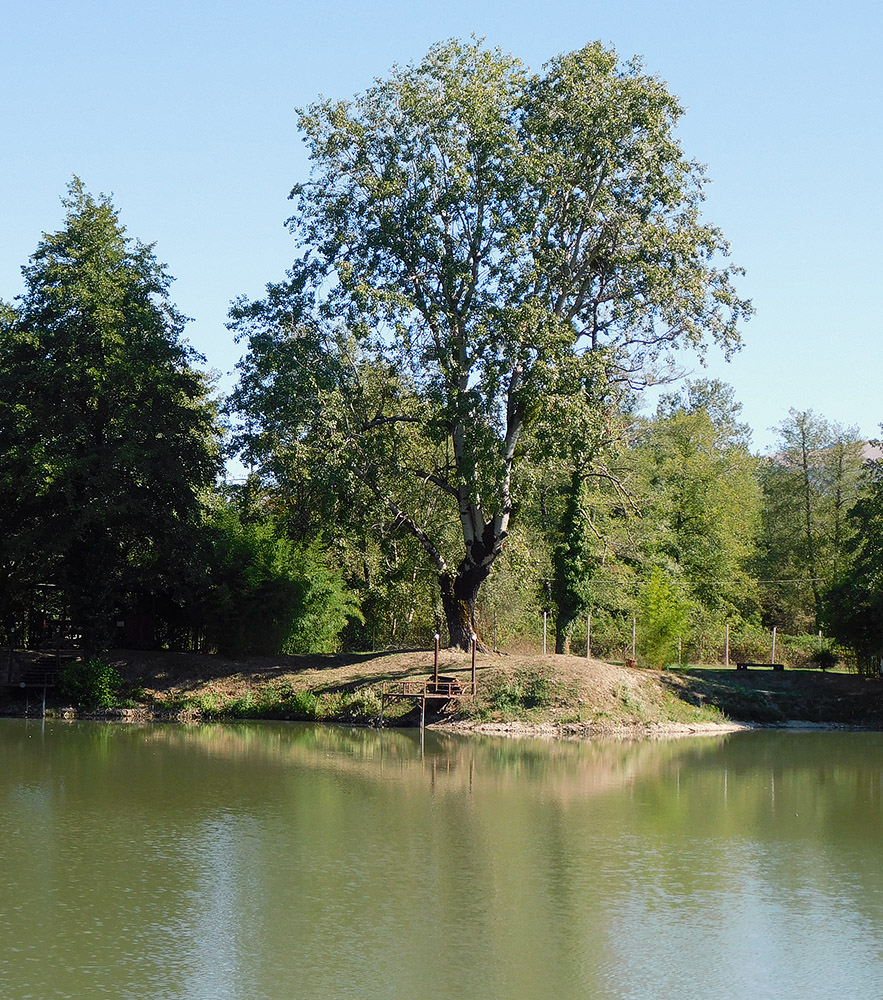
point(89, 684)
point(825, 659)
point(265, 595)
point(664, 614)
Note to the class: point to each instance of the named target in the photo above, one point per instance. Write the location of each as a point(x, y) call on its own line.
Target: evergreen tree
point(108, 434)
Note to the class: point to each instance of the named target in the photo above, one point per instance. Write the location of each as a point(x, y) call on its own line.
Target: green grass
point(280, 702)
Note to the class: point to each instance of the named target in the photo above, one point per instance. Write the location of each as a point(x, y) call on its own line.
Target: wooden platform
point(441, 690)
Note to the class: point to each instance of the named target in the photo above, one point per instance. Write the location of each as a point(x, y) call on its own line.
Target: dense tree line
point(440, 403)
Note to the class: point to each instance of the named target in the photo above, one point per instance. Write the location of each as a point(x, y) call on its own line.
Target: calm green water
point(270, 861)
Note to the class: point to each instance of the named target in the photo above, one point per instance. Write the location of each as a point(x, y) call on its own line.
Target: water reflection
point(293, 860)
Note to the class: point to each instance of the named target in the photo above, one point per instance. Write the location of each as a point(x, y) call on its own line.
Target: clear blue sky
point(183, 112)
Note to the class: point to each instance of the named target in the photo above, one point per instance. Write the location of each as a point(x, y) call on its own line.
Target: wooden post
point(435, 669)
point(634, 636)
point(474, 683)
point(727, 645)
point(589, 636)
point(422, 713)
point(495, 630)
point(773, 647)
point(679, 650)
point(544, 632)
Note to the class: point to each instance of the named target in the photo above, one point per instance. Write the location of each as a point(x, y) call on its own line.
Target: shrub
point(89, 683)
point(664, 614)
point(825, 659)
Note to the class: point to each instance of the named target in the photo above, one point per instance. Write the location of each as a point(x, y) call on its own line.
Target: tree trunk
point(459, 594)
point(563, 629)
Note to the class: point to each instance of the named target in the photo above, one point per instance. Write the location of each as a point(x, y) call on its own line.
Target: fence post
point(773, 648)
point(634, 635)
point(589, 636)
point(544, 632)
point(727, 645)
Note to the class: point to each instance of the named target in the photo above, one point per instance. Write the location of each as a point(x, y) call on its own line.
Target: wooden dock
point(438, 689)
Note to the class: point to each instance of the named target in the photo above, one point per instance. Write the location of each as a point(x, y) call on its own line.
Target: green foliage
point(632, 706)
point(361, 706)
point(663, 617)
point(577, 559)
point(810, 484)
point(527, 688)
point(825, 659)
point(701, 500)
point(854, 605)
point(516, 595)
point(302, 705)
point(264, 594)
point(479, 244)
point(750, 643)
point(89, 684)
point(108, 435)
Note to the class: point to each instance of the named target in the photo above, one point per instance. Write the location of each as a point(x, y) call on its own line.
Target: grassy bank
point(553, 693)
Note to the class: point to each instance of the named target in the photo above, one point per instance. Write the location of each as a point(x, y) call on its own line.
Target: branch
point(380, 421)
point(419, 534)
point(430, 477)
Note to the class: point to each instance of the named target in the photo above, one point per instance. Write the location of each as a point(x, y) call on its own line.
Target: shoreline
point(558, 697)
point(511, 729)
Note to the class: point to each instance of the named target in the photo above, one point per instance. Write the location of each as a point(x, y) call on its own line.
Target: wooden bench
point(775, 666)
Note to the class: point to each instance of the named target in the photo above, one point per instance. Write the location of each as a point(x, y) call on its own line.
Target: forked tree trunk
point(484, 541)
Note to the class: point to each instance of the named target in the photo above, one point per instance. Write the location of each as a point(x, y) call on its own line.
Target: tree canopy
point(854, 609)
point(811, 483)
point(504, 238)
point(108, 433)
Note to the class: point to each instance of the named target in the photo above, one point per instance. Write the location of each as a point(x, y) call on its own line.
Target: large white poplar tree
point(499, 241)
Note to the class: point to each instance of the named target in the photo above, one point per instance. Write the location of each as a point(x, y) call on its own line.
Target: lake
point(301, 861)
